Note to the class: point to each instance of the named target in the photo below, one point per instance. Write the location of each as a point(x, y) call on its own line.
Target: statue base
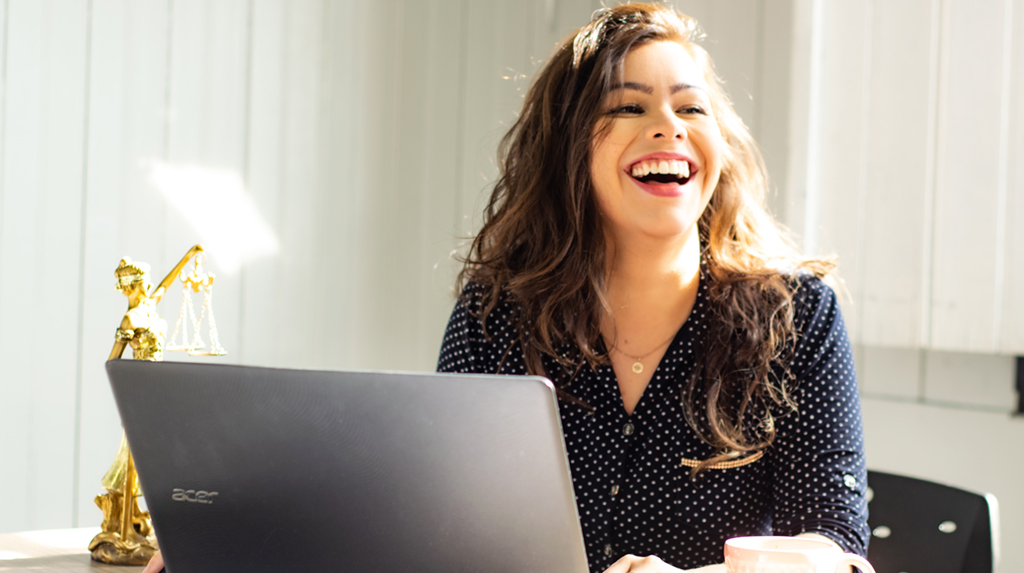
point(109, 546)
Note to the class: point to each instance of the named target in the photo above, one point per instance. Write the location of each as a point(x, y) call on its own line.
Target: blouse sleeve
point(457, 353)
point(820, 478)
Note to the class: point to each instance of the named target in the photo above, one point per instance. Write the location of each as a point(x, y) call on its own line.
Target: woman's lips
point(662, 189)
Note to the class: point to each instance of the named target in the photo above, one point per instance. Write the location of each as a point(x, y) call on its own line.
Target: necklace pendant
point(637, 367)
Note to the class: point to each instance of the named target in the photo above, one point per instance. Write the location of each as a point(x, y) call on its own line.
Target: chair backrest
point(922, 526)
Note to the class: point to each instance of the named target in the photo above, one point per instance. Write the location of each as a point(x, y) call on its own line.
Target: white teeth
point(663, 167)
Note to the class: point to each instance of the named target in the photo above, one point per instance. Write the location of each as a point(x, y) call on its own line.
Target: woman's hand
point(155, 565)
point(632, 563)
point(652, 564)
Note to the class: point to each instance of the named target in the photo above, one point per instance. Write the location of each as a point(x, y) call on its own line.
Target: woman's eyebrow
point(680, 87)
point(649, 90)
point(633, 86)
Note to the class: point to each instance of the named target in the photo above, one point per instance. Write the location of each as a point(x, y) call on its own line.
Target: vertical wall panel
point(899, 172)
point(100, 425)
point(188, 100)
point(352, 172)
point(17, 244)
point(123, 216)
point(58, 223)
point(207, 130)
point(16, 392)
point(734, 42)
point(494, 52)
point(1012, 317)
point(435, 267)
point(840, 185)
point(385, 192)
point(968, 176)
point(42, 191)
point(259, 323)
point(143, 216)
point(402, 271)
point(772, 100)
point(806, 47)
point(302, 342)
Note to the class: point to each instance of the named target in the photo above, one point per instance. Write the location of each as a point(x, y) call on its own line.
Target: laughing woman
point(705, 380)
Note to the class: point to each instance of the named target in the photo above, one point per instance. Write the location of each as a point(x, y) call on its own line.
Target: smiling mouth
point(661, 172)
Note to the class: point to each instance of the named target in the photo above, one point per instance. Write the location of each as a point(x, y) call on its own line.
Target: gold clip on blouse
point(725, 465)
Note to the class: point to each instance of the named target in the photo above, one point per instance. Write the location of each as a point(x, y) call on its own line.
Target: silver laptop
point(350, 471)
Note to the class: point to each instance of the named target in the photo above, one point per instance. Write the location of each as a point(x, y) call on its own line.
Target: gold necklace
point(638, 366)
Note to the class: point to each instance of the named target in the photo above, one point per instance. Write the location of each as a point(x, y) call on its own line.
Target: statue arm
point(158, 293)
point(120, 342)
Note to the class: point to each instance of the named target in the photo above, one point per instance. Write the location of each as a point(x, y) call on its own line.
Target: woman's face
point(658, 158)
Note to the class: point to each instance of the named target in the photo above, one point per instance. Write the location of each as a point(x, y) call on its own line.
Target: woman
point(705, 379)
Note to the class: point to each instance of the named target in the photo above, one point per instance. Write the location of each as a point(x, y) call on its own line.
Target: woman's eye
point(692, 109)
point(629, 108)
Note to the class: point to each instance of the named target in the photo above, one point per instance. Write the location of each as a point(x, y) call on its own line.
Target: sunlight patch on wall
point(217, 205)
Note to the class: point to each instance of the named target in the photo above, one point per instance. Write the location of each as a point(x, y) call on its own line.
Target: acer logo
point(193, 496)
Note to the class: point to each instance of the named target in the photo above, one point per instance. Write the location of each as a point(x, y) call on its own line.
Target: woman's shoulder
point(479, 333)
point(812, 295)
point(486, 309)
point(817, 321)
point(476, 297)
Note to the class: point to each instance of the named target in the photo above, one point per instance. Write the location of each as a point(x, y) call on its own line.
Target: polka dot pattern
point(632, 493)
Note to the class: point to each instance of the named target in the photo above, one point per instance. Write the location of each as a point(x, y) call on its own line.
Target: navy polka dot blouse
point(634, 492)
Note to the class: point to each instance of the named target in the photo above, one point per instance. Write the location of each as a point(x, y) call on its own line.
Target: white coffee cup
point(788, 555)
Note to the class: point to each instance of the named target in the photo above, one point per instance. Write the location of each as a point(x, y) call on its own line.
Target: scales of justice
point(127, 537)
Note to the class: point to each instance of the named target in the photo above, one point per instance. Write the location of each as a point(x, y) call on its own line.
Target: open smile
point(662, 174)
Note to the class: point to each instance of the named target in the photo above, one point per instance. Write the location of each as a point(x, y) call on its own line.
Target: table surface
point(53, 551)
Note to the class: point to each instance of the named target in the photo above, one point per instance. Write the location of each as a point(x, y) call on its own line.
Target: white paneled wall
point(900, 151)
point(40, 253)
point(913, 155)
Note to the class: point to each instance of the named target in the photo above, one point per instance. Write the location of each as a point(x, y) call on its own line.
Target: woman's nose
point(665, 124)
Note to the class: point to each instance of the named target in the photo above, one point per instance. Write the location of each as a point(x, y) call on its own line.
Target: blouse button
point(850, 481)
point(615, 490)
point(608, 550)
point(628, 429)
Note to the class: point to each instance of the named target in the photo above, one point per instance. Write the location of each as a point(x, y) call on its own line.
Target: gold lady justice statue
point(127, 537)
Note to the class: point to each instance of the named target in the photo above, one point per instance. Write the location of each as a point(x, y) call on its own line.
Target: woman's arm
point(818, 454)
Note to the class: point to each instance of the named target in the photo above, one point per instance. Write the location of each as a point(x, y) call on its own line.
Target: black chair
point(919, 526)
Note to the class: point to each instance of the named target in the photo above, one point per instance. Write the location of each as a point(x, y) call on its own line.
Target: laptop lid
point(353, 471)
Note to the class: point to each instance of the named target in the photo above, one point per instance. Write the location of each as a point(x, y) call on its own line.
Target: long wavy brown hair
point(542, 245)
